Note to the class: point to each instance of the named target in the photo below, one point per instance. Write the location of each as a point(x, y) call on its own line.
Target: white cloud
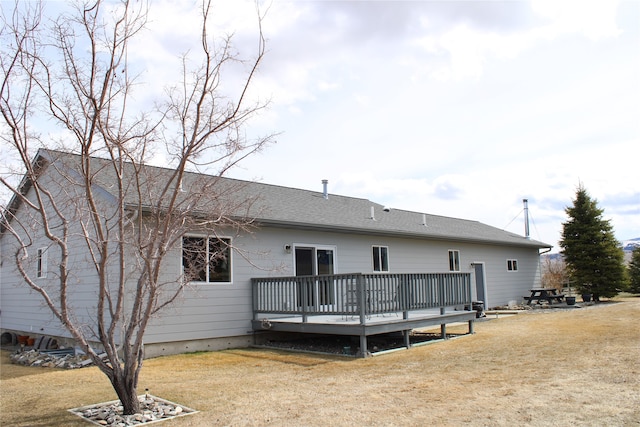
point(465, 50)
point(451, 108)
point(592, 18)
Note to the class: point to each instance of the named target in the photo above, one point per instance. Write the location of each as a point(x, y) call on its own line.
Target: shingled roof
point(309, 209)
point(273, 205)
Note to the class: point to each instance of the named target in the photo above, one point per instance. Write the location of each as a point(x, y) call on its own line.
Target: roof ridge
point(203, 174)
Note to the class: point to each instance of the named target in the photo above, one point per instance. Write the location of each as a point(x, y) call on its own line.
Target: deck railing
point(359, 294)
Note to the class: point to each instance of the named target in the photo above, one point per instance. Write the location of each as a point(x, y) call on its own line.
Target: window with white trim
point(512, 265)
point(41, 269)
point(454, 260)
point(206, 259)
point(380, 258)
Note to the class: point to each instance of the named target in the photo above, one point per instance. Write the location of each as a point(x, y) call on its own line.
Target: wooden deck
point(361, 304)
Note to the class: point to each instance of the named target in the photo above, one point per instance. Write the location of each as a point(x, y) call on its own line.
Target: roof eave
point(398, 233)
point(23, 188)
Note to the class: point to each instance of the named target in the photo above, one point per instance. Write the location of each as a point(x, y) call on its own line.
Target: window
point(380, 258)
point(512, 265)
point(206, 259)
point(42, 263)
point(454, 260)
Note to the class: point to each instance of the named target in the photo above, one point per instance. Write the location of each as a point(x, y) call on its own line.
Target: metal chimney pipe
point(526, 218)
point(325, 193)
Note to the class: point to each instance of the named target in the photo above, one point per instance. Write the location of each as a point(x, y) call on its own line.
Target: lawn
point(561, 368)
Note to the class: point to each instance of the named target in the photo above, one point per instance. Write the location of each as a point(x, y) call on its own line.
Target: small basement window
point(512, 265)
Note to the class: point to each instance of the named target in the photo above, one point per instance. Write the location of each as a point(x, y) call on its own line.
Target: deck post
point(443, 327)
point(407, 332)
point(305, 298)
point(362, 300)
point(364, 352)
point(471, 327)
point(254, 299)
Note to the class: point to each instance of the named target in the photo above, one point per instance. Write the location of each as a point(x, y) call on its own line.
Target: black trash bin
point(478, 307)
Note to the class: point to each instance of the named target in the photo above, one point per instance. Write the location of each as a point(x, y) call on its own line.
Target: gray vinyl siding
point(24, 309)
point(21, 309)
point(416, 243)
point(223, 310)
point(205, 310)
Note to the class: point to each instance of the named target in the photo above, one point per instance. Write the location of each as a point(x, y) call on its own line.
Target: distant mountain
point(631, 244)
point(627, 247)
point(553, 257)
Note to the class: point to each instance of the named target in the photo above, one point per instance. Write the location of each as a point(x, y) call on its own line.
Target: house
point(298, 233)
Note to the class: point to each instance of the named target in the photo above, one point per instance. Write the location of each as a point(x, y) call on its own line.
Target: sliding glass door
point(314, 261)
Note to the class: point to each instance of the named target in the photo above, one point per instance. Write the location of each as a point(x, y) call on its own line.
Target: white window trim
point(208, 237)
point(511, 263)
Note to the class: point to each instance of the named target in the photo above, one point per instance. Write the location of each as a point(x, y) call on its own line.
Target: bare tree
point(74, 73)
point(554, 273)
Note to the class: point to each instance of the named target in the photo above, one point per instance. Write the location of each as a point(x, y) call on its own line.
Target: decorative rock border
point(54, 359)
point(153, 410)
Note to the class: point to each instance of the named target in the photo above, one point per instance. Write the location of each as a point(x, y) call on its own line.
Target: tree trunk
point(127, 393)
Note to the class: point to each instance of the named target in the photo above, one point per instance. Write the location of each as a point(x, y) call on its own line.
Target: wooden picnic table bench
point(544, 294)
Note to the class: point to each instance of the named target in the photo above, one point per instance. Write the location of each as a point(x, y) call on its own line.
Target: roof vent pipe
point(525, 202)
point(325, 193)
point(424, 219)
point(373, 213)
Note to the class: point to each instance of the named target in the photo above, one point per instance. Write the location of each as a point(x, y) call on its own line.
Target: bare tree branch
point(102, 205)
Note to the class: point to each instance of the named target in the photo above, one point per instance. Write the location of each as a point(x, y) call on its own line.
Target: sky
point(457, 108)
point(454, 108)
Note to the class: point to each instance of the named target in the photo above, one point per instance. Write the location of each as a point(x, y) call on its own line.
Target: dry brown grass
point(575, 367)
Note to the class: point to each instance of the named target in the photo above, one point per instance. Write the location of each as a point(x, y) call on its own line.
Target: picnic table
point(544, 294)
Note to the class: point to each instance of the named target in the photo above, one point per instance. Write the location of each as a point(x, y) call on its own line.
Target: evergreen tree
point(634, 272)
point(594, 259)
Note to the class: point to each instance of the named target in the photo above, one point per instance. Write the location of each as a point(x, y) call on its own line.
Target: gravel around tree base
point(153, 409)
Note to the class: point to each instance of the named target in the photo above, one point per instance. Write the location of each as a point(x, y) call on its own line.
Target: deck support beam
point(407, 332)
point(363, 346)
point(363, 331)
